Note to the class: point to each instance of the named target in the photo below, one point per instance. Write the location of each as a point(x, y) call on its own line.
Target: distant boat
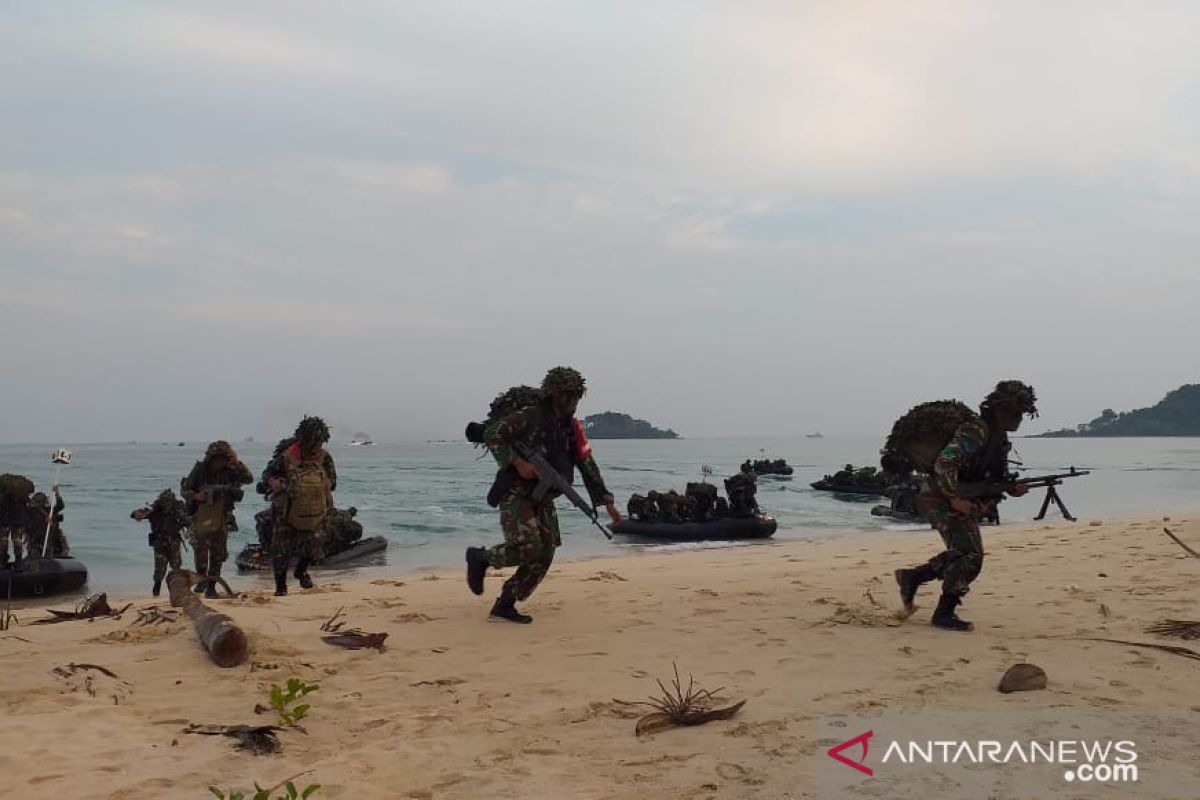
point(181, 444)
point(816, 435)
point(361, 442)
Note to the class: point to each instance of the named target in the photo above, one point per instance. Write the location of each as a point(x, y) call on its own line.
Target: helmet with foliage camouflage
point(564, 381)
point(1013, 395)
point(39, 500)
point(167, 499)
point(312, 431)
point(514, 399)
point(218, 448)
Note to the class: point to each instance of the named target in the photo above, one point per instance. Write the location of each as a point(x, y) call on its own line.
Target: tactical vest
point(556, 438)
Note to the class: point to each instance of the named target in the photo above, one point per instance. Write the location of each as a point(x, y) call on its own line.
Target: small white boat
point(361, 442)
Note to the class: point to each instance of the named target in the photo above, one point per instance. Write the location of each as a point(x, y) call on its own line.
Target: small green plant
point(283, 700)
point(290, 792)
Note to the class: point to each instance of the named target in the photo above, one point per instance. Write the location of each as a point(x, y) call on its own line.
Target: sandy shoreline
point(461, 707)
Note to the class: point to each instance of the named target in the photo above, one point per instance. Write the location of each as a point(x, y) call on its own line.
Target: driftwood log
point(223, 640)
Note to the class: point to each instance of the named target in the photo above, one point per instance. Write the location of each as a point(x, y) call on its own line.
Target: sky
point(736, 219)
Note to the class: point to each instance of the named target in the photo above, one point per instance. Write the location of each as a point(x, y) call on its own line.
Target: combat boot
point(945, 618)
point(506, 608)
point(910, 581)
point(157, 588)
point(301, 573)
point(280, 583)
point(477, 564)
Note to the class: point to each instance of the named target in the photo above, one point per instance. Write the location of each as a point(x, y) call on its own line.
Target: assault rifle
point(993, 489)
point(550, 478)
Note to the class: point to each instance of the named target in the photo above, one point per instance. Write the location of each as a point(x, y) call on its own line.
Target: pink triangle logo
point(862, 739)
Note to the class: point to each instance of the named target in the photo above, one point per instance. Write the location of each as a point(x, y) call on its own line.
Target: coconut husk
point(1023, 678)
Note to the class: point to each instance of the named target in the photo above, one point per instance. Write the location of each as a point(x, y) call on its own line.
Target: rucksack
point(919, 435)
point(308, 494)
point(507, 402)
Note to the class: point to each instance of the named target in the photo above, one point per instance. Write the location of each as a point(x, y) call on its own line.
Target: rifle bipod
point(1052, 495)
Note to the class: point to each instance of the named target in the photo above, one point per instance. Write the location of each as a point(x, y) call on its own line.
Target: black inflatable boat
point(253, 558)
point(36, 577)
point(761, 526)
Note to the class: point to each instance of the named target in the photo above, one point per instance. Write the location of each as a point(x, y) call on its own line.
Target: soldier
point(977, 451)
point(340, 530)
point(530, 527)
point(636, 506)
point(742, 489)
point(14, 514)
point(167, 521)
point(38, 519)
point(210, 491)
point(299, 481)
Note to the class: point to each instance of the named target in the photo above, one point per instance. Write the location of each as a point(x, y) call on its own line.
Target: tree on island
point(1177, 414)
point(613, 425)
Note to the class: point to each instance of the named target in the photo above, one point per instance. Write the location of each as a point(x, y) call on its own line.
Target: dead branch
point(258, 739)
point(67, 670)
point(1179, 542)
point(91, 608)
point(356, 640)
point(1166, 648)
point(1179, 628)
point(331, 625)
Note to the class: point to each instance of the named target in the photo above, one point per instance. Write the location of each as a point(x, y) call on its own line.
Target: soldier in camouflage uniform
point(210, 510)
point(35, 527)
point(297, 457)
point(14, 515)
point(167, 521)
point(978, 451)
point(530, 528)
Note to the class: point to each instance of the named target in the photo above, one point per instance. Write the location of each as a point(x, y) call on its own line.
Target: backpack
point(308, 493)
point(919, 435)
point(507, 402)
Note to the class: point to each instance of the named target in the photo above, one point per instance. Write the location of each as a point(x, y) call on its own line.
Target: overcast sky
point(735, 218)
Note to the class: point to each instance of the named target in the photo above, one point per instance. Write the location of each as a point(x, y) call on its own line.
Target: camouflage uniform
point(288, 543)
point(12, 526)
point(167, 521)
point(220, 467)
point(35, 527)
point(531, 533)
point(962, 457)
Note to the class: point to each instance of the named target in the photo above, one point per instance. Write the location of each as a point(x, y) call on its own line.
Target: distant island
point(1177, 414)
point(612, 425)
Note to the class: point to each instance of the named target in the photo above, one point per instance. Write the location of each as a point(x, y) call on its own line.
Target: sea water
point(427, 498)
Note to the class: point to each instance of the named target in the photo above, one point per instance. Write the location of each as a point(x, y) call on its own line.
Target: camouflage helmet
point(312, 430)
point(39, 500)
point(1013, 395)
point(167, 498)
point(218, 448)
point(564, 381)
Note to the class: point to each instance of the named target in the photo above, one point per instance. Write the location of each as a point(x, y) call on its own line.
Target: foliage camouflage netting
point(513, 400)
point(919, 435)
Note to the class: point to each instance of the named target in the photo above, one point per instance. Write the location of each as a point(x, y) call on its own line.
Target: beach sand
point(458, 706)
